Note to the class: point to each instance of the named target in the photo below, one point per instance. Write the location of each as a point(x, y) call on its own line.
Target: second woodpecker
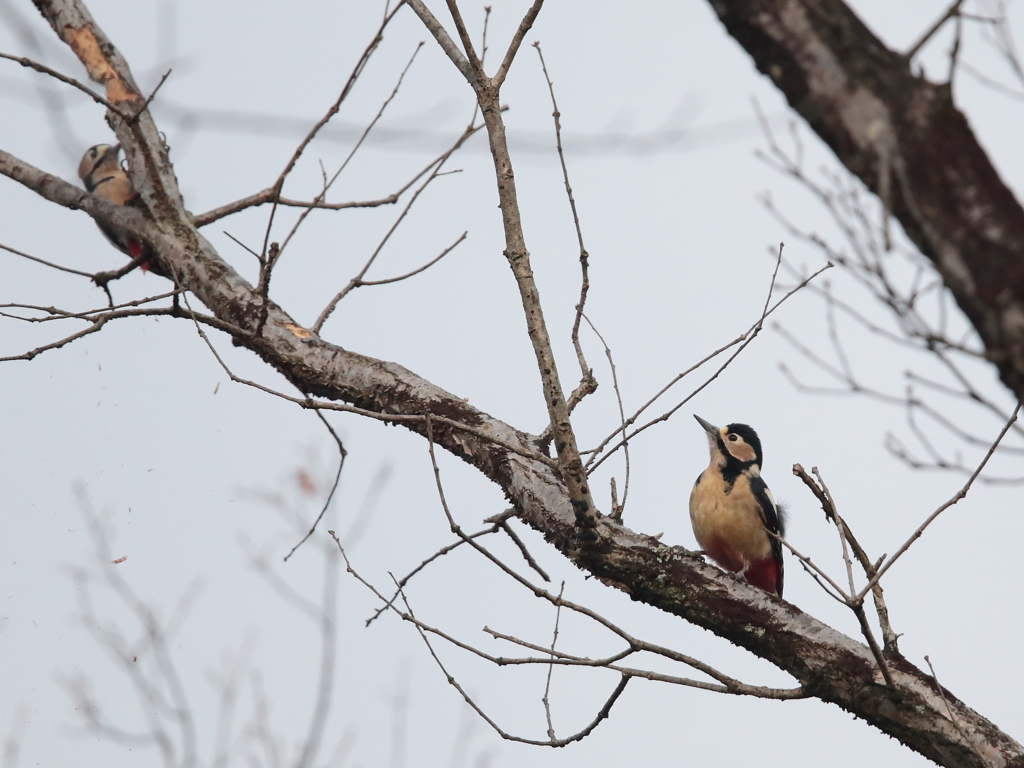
point(733, 512)
point(101, 173)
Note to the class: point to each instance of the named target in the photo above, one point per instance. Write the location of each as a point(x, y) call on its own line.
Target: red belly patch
point(762, 573)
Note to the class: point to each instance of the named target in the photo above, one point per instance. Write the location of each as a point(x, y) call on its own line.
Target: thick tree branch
point(906, 140)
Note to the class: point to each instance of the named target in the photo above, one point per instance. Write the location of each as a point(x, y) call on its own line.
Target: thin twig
point(743, 340)
point(619, 506)
point(98, 321)
point(857, 606)
point(50, 264)
point(588, 384)
point(601, 715)
point(355, 148)
point(149, 99)
point(440, 553)
point(953, 10)
point(517, 40)
point(813, 568)
point(547, 685)
point(865, 628)
point(63, 78)
point(942, 693)
point(267, 196)
point(353, 283)
point(523, 550)
point(889, 637)
point(342, 454)
point(416, 271)
point(334, 109)
point(955, 498)
point(727, 684)
point(54, 313)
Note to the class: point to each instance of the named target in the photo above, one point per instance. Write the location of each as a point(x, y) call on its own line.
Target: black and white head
point(96, 160)
point(734, 445)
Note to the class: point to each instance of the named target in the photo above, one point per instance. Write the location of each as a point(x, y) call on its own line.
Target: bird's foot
point(740, 575)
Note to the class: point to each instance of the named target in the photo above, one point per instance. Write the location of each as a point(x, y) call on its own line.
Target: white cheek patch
point(740, 450)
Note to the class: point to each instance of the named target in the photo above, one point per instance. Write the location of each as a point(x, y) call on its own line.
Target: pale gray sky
point(660, 136)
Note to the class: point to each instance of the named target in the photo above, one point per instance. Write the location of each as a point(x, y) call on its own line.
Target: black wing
point(773, 517)
point(770, 512)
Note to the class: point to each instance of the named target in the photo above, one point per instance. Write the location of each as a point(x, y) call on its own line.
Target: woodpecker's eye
point(732, 438)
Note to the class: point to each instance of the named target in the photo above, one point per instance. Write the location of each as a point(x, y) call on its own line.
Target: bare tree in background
point(901, 134)
point(910, 156)
point(244, 729)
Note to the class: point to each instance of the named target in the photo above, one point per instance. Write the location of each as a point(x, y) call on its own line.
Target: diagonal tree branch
point(904, 137)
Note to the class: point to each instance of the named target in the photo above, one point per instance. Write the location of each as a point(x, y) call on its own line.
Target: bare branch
point(440, 553)
point(569, 463)
point(98, 321)
point(743, 340)
point(267, 196)
point(149, 99)
point(588, 384)
point(416, 271)
point(942, 693)
point(62, 78)
point(619, 507)
point(823, 495)
point(956, 497)
point(357, 280)
point(342, 454)
point(517, 40)
point(355, 148)
point(442, 38)
point(334, 109)
point(547, 684)
point(523, 550)
point(467, 41)
point(953, 10)
point(50, 264)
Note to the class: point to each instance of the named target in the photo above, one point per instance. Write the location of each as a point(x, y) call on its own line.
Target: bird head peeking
point(734, 446)
point(98, 162)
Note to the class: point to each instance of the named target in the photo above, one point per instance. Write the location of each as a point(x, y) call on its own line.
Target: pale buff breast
point(115, 187)
point(728, 526)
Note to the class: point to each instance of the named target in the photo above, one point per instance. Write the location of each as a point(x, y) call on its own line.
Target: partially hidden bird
point(732, 511)
point(101, 173)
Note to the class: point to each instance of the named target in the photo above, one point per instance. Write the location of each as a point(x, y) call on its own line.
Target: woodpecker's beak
point(113, 149)
point(710, 428)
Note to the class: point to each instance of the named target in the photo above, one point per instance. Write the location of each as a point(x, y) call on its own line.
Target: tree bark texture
point(905, 139)
point(828, 664)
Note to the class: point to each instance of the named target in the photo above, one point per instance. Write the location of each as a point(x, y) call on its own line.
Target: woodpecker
point(732, 510)
point(101, 173)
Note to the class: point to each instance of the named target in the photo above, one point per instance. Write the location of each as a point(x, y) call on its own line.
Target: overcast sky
point(660, 134)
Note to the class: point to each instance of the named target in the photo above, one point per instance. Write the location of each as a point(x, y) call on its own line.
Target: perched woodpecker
point(732, 510)
point(101, 173)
